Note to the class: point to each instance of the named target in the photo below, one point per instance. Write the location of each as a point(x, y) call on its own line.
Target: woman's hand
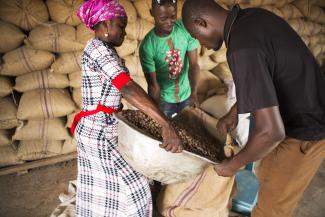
point(171, 140)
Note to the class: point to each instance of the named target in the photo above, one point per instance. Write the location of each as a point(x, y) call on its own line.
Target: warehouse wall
point(40, 74)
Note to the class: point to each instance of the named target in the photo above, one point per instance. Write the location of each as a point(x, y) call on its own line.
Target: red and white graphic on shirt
point(174, 60)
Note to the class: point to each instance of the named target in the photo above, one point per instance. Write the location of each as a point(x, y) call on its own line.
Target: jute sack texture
point(6, 86)
point(42, 129)
point(24, 59)
point(64, 11)
point(39, 80)
point(8, 113)
point(38, 149)
point(54, 37)
point(24, 13)
point(46, 103)
point(11, 37)
point(67, 63)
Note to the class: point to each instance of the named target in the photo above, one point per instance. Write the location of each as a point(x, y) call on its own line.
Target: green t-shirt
point(167, 57)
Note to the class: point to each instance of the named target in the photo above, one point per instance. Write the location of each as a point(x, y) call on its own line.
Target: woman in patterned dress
point(107, 185)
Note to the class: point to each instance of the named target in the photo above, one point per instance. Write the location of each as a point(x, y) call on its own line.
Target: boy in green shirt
point(168, 56)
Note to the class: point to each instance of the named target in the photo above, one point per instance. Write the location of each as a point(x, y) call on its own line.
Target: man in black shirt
point(277, 80)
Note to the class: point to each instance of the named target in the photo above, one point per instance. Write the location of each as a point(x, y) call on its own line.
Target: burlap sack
point(10, 38)
point(143, 8)
point(206, 52)
point(317, 14)
point(206, 62)
point(84, 34)
point(23, 60)
point(208, 81)
point(70, 119)
point(127, 48)
point(303, 6)
point(303, 27)
point(8, 156)
point(290, 11)
point(38, 149)
point(75, 79)
point(8, 113)
point(5, 138)
point(140, 80)
point(319, 3)
point(205, 195)
point(64, 11)
point(180, 4)
point(39, 80)
point(222, 71)
point(139, 29)
point(317, 49)
point(6, 86)
point(46, 103)
point(69, 146)
point(269, 2)
point(53, 37)
point(132, 62)
point(273, 9)
point(220, 56)
point(218, 105)
point(24, 13)
point(317, 39)
point(42, 129)
point(67, 63)
point(77, 98)
point(305, 39)
point(129, 9)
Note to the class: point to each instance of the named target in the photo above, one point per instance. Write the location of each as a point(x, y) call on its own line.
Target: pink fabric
point(94, 11)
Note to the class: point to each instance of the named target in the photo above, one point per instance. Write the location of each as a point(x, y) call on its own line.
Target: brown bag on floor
point(203, 196)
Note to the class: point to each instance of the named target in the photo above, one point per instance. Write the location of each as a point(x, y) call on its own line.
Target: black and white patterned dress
point(107, 185)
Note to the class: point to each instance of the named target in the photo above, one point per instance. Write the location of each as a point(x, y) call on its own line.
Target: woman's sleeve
point(111, 67)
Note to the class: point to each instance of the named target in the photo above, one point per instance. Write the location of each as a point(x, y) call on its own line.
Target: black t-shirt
point(272, 66)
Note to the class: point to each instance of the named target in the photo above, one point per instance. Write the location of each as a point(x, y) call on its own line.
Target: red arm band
point(121, 80)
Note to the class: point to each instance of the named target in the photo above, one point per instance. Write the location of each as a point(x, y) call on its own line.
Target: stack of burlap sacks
point(40, 77)
point(40, 54)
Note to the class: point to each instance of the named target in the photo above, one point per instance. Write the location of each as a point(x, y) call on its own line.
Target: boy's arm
point(193, 75)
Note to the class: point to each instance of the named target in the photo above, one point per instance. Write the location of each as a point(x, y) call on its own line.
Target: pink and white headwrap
point(94, 11)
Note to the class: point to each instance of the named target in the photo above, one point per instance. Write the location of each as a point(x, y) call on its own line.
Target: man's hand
point(228, 122)
point(225, 169)
point(194, 102)
point(171, 141)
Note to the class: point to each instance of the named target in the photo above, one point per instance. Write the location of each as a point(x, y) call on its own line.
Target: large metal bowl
point(143, 153)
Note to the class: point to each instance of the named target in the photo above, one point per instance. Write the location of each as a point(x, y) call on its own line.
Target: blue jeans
point(169, 109)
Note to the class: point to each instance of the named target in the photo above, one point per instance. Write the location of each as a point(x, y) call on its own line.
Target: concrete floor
point(35, 194)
